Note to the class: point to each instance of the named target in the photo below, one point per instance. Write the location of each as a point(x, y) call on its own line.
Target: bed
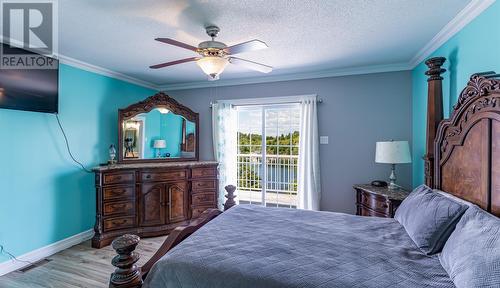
point(249, 246)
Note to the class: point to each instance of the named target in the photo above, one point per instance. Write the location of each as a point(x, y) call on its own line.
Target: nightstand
point(378, 201)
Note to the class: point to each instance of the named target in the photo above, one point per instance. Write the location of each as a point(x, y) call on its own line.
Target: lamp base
point(393, 186)
point(392, 178)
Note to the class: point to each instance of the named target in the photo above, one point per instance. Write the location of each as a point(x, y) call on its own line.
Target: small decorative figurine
point(112, 154)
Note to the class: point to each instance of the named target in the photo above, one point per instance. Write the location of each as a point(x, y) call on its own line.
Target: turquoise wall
point(167, 127)
point(45, 197)
point(171, 130)
point(476, 48)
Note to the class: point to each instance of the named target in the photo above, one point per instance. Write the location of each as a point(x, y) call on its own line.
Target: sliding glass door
point(267, 154)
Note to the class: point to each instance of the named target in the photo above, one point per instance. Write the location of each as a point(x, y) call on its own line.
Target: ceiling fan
point(214, 55)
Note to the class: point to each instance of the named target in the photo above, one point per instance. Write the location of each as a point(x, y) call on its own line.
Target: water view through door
point(275, 183)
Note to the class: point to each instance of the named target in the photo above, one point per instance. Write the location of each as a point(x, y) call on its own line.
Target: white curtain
point(224, 142)
point(309, 185)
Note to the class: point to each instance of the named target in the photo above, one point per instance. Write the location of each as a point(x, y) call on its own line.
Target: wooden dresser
point(378, 201)
point(151, 199)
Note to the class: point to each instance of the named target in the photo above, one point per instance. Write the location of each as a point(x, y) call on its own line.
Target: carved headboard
point(467, 145)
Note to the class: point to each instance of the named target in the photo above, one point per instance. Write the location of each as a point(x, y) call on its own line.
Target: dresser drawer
point(374, 202)
point(201, 199)
point(204, 172)
point(199, 185)
point(110, 193)
point(196, 211)
point(163, 176)
point(118, 178)
point(119, 223)
point(122, 207)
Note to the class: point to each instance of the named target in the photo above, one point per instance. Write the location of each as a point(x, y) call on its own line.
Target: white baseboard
point(44, 252)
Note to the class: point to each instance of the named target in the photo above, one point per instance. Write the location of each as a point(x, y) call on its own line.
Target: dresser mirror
point(158, 129)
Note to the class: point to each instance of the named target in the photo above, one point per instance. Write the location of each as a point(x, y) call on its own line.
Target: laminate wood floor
point(78, 266)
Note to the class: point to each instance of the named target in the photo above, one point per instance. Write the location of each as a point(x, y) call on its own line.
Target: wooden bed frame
point(462, 158)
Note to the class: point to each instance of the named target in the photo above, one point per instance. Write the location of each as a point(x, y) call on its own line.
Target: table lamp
point(393, 152)
point(159, 144)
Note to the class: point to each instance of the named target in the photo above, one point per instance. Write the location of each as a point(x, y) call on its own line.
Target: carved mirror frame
point(159, 100)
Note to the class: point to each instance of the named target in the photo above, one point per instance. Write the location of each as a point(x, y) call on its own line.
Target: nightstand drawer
point(375, 202)
point(378, 201)
point(364, 211)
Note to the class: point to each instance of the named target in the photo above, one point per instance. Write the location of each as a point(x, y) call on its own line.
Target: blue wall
point(476, 48)
point(45, 197)
point(166, 127)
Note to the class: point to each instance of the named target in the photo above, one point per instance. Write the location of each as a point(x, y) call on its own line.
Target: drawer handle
point(148, 176)
point(118, 177)
point(121, 222)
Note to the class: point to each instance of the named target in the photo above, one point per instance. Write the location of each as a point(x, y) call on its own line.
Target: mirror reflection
point(158, 134)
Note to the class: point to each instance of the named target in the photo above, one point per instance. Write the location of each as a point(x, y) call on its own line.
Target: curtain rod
point(319, 100)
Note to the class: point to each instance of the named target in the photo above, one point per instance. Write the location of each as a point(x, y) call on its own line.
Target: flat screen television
point(28, 89)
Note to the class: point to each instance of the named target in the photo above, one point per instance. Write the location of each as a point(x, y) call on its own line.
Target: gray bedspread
point(253, 246)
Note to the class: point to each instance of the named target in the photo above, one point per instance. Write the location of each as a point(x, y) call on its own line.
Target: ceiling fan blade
point(176, 43)
point(174, 62)
point(251, 65)
point(251, 45)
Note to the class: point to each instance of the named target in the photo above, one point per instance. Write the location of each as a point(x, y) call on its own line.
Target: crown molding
point(464, 17)
point(105, 72)
point(88, 67)
point(288, 77)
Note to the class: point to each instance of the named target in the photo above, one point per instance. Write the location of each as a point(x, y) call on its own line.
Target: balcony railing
point(275, 184)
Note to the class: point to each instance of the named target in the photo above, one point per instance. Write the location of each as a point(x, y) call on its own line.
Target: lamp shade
point(212, 66)
point(159, 144)
point(393, 152)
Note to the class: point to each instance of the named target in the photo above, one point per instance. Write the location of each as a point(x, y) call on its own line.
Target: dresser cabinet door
point(178, 201)
point(152, 204)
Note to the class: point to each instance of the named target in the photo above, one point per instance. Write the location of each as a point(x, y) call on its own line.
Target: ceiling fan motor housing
point(212, 48)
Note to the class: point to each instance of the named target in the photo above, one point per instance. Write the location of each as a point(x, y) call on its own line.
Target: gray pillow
point(471, 256)
point(429, 218)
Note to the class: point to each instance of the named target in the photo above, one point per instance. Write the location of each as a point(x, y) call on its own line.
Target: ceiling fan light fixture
point(212, 66)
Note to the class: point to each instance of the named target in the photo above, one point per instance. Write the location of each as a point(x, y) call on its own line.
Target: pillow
point(471, 256)
point(429, 218)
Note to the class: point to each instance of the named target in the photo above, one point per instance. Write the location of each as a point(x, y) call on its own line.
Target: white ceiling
point(303, 35)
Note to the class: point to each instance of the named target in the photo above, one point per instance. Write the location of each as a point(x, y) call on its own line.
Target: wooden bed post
point(230, 197)
point(127, 274)
point(434, 113)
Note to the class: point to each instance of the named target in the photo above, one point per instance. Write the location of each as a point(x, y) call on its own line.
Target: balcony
point(278, 178)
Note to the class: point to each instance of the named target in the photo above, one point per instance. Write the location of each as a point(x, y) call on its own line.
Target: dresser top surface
point(123, 166)
point(399, 194)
